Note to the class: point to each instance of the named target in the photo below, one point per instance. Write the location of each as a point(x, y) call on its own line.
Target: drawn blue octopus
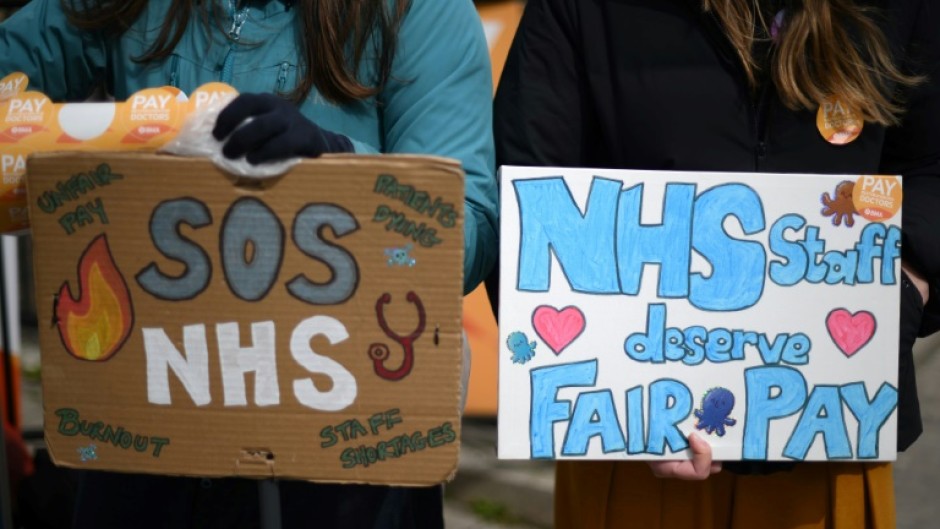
point(88, 453)
point(400, 256)
point(716, 406)
point(522, 349)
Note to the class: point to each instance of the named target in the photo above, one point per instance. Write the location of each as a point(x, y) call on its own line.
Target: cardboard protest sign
point(760, 311)
point(306, 327)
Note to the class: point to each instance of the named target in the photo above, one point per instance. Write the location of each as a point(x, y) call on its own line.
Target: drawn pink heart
point(850, 332)
point(558, 328)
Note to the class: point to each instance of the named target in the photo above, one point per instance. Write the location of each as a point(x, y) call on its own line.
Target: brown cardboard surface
point(107, 413)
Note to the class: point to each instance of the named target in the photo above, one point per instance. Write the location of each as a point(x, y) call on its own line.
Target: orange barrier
point(15, 383)
point(500, 20)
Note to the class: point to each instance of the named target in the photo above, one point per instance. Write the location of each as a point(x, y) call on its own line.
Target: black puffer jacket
point(654, 84)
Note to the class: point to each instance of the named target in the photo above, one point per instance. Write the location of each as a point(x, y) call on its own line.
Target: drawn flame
point(96, 325)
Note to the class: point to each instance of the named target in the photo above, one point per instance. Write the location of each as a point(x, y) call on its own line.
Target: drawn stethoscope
point(379, 352)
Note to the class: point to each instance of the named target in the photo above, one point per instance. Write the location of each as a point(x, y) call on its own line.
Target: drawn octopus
point(716, 406)
point(522, 349)
point(841, 207)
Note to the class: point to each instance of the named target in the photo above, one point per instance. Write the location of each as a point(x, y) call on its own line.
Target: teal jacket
point(438, 100)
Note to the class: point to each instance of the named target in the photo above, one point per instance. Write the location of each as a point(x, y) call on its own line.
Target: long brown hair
point(825, 48)
point(329, 28)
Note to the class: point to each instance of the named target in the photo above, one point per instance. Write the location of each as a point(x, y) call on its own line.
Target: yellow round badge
point(838, 123)
point(877, 197)
point(150, 116)
point(211, 94)
point(25, 115)
point(13, 84)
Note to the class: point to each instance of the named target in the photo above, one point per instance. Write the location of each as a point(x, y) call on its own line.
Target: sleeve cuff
point(361, 147)
point(930, 321)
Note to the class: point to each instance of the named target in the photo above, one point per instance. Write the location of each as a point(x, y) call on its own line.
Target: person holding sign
point(363, 76)
point(802, 86)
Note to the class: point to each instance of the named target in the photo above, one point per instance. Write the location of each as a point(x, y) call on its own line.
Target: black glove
point(278, 131)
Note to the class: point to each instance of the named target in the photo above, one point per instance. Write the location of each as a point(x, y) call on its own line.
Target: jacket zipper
point(175, 71)
point(760, 109)
point(282, 77)
point(228, 64)
point(239, 17)
point(759, 105)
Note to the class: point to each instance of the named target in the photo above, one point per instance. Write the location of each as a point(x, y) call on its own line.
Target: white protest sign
point(759, 310)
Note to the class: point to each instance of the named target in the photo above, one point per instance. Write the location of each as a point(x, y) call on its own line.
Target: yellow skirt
point(601, 494)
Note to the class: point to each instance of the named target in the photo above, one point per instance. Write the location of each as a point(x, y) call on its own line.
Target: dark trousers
point(110, 500)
